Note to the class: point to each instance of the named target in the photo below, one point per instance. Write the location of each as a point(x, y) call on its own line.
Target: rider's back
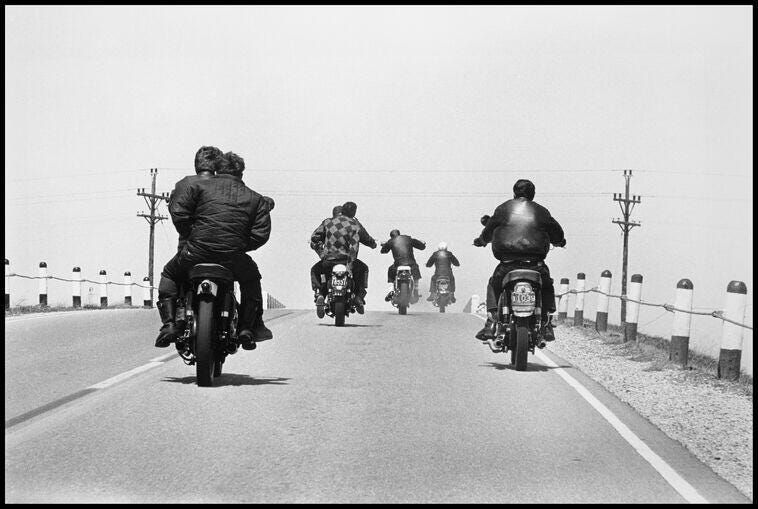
point(225, 209)
point(402, 250)
point(523, 230)
point(341, 238)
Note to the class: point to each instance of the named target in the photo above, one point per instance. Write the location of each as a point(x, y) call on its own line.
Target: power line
point(70, 175)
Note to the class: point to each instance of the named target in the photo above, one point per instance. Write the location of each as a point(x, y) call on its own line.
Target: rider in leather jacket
point(402, 251)
point(443, 261)
point(521, 232)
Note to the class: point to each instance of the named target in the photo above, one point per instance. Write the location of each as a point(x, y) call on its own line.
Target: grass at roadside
point(25, 310)
point(655, 350)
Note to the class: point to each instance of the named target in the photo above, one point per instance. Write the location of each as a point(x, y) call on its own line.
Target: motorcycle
point(405, 285)
point(518, 326)
point(442, 294)
point(210, 312)
point(339, 297)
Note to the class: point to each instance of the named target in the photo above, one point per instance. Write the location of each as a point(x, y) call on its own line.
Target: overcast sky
point(425, 116)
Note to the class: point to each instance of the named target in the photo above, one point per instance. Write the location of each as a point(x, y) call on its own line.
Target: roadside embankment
point(712, 418)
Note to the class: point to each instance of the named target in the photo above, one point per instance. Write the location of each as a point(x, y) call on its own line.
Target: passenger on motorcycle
point(443, 261)
point(341, 237)
point(521, 232)
point(221, 219)
point(402, 252)
point(317, 269)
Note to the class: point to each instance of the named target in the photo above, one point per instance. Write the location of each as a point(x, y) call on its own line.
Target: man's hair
point(523, 188)
point(394, 233)
point(236, 164)
point(336, 211)
point(349, 208)
point(206, 159)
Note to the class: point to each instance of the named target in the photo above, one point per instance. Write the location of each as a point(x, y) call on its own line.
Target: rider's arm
point(386, 247)
point(454, 260)
point(365, 238)
point(260, 229)
point(418, 244)
point(431, 259)
point(489, 228)
point(555, 232)
point(319, 234)
point(181, 207)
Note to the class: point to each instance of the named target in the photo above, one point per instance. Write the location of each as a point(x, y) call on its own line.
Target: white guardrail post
point(128, 288)
point(579, 311)
point(7, 285)
point(680, 335)
point(601, 318)
point(475, 301)
point(43, 284)
point(564, 299)
point(731, 336)
point(633, 308)
point(103, 289)
point(76, 287)
point(146, 300)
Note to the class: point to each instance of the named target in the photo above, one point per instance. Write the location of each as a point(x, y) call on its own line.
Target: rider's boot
point(320, 305)
point(452, 297)
point(416, 296)
point(547, 329)
point(260, 331)
point(488, 331)
point(359, 303)
point(169, 331)
point(431, 297)
point(391, 288)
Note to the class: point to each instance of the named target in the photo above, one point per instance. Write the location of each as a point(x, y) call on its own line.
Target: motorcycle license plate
point(523, 299)
point(338, 282)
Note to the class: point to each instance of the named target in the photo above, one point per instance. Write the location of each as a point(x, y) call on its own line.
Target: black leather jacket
point(521, 229)
point(443, 262)
point(402, 249)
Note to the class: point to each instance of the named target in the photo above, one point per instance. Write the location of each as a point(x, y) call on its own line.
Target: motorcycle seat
point(522, 274)
point(211, 271)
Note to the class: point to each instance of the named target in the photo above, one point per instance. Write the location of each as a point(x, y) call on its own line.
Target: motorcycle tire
point(339, 313)
point(205, 361)
point(442, 308)
point(403, 299)
point(522, 347)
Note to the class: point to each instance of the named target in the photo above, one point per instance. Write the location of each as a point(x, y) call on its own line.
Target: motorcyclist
point(221, 219)
point(317, 268)
point(443, 260)
point(402, 251)
point(341, 237)
point(521, 232)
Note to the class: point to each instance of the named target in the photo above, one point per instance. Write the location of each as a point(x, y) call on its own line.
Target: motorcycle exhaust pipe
point(496, 345)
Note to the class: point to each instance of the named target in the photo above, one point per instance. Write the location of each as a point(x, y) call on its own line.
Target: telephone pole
point(152, 201)
point(627, 205)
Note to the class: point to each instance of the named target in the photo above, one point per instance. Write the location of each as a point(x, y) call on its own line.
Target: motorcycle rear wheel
point(204, 344)
point(522, 347)
point(403, 299)
point(339, 313)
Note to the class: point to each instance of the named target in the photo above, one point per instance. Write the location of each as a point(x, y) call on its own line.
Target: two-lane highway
point(386, 409)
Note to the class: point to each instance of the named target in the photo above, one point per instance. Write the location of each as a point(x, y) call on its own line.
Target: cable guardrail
point(81, 280)
point(668, 307)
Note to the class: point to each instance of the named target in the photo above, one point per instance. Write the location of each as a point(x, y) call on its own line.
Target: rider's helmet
point(442, 246)
point(207, 158)
point(394, 233)
point(523, 189)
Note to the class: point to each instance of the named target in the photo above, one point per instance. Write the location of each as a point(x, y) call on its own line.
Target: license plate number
point(522, 299)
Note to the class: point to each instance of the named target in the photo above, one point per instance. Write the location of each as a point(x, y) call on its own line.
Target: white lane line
point(164, 357)
point(124, 376)
point(676, 481)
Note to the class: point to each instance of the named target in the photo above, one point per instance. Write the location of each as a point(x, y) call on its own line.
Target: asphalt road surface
point(388, 409)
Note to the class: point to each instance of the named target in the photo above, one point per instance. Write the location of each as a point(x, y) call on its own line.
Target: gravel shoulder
point(712, 418)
